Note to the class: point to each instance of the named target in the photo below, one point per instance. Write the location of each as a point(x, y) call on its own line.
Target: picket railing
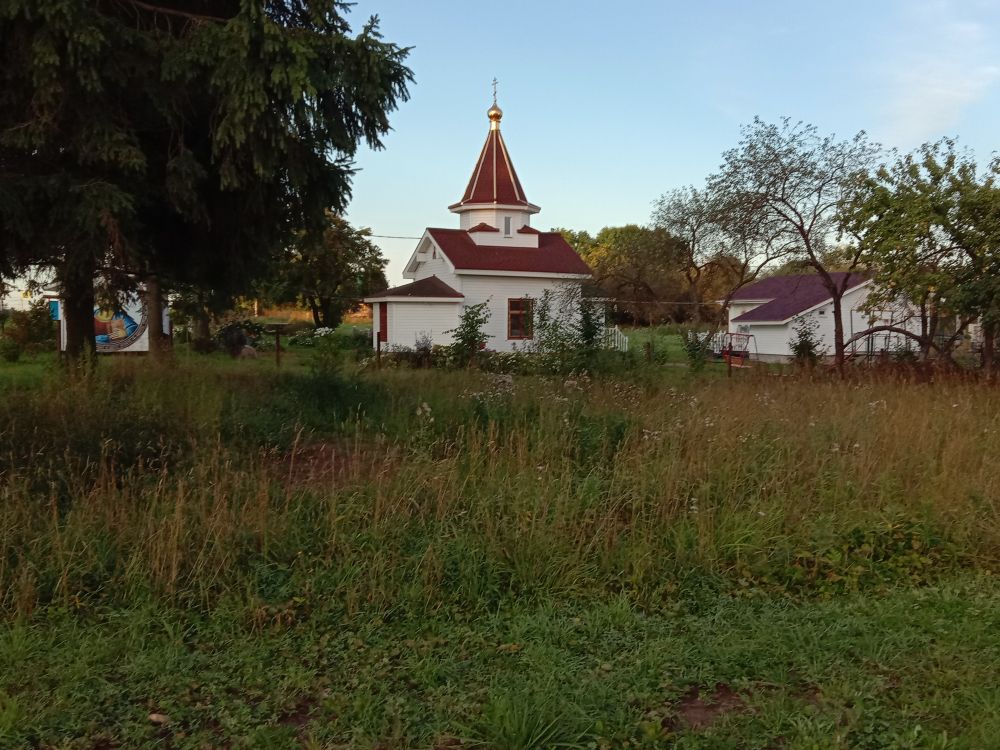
point(615, 339)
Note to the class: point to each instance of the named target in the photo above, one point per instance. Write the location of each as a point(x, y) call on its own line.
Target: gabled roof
point(432, 286)
point(789, 295)
point(494, 179)
point(483, 227)
point(553, 254)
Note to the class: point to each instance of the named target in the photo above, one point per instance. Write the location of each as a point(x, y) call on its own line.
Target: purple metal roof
point(789, 295)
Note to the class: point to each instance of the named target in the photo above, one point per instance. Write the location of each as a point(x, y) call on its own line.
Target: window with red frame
point(519, 318)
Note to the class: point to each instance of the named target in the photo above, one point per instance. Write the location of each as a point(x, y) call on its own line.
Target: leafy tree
point(779, 192)
point(331, 273)
point(928, 225)
point(641, 267)
point(179, 141)
point(689, 214)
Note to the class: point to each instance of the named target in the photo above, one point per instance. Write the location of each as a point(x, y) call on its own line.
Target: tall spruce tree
point(179, 141)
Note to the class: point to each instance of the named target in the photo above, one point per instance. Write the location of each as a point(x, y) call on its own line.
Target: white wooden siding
point(497, 290)
point(409, 321)
point(430, 266)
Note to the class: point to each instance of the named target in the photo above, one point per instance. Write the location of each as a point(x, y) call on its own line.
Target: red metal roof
point(494, 179)
point(553, 254)
point(789, 295)
point(483, 227)
point(432, 286)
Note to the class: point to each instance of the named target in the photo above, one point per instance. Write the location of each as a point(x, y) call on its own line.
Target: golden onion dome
point(494, 113)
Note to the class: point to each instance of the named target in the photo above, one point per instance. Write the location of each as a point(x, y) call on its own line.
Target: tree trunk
point(316, 313)
point(78, 306)
point(202, 325)
point(989, 345)
point(838, 333)
point(154, 317)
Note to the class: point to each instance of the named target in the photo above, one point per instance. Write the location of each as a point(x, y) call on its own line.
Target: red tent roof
point(494, 179)
point(553, 254)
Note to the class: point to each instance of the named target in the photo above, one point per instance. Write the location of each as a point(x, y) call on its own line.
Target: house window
point(506, 226)
point(519, 318)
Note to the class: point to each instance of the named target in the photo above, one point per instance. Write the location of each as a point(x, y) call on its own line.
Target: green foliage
point(697, 346)
point(236, 334)
point(641, 267)
point(928, 226)
point(32, 328)
point(890, 554)
point(525, 721)
point(566, 337)
point(805, 345)
point(468, 338)
point(188, 142)
point(328, 274)
point(590, 324)
point(10, 348)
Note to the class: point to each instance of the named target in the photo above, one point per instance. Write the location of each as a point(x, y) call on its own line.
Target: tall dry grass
point(274, 494)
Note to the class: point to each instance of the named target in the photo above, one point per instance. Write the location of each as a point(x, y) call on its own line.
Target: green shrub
point(468, 337)
point(806, 349)
point(31, 327)
point(10, 349)
point(696, 347)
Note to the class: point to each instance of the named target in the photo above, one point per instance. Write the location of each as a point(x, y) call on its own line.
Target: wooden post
point(378, 353)
point(277, 347)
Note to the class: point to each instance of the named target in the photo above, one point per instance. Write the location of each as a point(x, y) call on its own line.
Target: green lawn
point(665, 341)
point(216, 553)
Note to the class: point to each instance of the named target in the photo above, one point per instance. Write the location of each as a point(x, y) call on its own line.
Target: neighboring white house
point(768, 310)
point(495, 256)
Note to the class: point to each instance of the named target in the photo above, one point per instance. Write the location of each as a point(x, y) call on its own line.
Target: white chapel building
point(494, 256)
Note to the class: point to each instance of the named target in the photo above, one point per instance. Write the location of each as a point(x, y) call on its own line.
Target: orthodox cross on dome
point(494, 112)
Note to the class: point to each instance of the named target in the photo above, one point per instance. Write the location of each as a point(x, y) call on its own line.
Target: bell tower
point(494, 209)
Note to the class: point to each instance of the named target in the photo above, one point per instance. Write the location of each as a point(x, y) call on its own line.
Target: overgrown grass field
point(218, 554)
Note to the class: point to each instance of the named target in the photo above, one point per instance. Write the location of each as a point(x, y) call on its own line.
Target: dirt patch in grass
point(698, 709)
point(330, 464)
point(298, 715)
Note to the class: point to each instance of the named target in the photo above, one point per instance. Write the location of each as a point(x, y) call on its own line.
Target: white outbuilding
point(763, 316)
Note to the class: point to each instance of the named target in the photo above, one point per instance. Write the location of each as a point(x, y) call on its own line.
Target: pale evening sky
point(608, 105)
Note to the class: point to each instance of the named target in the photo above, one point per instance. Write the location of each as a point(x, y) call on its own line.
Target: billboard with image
point(120, 329)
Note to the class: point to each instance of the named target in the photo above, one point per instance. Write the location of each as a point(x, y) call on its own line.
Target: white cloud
point(944, 61)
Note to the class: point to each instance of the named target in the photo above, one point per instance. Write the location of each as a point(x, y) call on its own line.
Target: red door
point(383, 321)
